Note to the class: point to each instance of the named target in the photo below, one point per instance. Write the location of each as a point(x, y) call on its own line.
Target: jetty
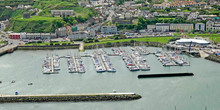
point(165, 75)
point(140, 50)
point(7, 49)
point(81, 46)
point(102, 61)
point(171, 59)
point(69, 97)
point(51, 65)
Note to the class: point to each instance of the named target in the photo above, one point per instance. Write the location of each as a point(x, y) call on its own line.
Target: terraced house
point(181, 27)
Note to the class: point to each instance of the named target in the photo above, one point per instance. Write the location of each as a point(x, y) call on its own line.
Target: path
point(203, 54)
point(81, 45)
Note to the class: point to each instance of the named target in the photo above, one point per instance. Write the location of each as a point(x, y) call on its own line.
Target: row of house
point(166, 27)
point(178, 4)
point(32, 36)
point(92, 32)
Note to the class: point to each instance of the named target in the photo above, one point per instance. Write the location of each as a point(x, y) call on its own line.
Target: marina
point(171, 59)
point(50, 65)
point(178, 89)
point(134, 62)
point(102, 61)
point(141, 50)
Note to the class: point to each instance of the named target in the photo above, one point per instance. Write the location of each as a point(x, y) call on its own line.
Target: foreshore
point(69, 97)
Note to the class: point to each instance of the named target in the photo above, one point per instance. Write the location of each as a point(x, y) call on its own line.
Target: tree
point(132, 41)
point(108, 43)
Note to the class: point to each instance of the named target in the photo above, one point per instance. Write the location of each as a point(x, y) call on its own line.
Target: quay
point(7, 49)
point(69, 97)
point(81, 46)
point(165, 75)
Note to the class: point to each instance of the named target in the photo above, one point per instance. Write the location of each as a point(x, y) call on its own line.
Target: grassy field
point(162, 40)
point(39, 18)
point(214, 37)
point(47, 5)
point(47, 43)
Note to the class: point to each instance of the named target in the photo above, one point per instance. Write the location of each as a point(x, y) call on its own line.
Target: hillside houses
point(178, 4)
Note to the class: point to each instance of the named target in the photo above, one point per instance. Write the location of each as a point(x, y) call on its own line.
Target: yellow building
point(181, 27)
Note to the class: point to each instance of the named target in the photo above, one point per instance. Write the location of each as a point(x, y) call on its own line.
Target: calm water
point(186, 93)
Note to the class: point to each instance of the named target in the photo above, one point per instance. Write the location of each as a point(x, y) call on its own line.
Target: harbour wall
point(69, 97)
point(74, 46)
point(214, 58)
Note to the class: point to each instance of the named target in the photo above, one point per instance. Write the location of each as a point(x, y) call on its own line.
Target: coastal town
point(116, 20)
point(59, 48)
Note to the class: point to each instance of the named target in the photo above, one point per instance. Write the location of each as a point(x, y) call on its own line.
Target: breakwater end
point(69, 97)
point(165, 75)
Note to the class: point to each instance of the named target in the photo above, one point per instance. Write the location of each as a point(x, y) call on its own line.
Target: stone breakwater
point(69, 97)
point(213, 58)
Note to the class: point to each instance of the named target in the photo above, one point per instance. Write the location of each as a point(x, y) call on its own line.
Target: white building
point(77, 35)
point(162, 27)
point(193, 41)
point(151, 27)
point(109, 29)
point(37, 36)
point(200, 27)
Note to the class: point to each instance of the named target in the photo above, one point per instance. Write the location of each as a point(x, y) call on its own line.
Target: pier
point(102, 61)
point(7, 49)
point(171, 59)
point(69, 97)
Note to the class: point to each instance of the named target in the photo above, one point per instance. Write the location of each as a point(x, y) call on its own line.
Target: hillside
point(34, 24)
point(15, 2)
point(44, 22)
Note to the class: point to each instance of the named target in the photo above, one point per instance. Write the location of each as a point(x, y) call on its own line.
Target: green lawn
point(214, 37)
point(162, 40)
point(47, 43)
point(39, 18)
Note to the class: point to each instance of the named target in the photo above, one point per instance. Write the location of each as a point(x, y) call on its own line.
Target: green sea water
point(200, 92)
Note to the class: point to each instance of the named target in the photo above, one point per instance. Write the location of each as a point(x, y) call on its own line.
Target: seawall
point(69, 97)
point(213, 58)
point(75, 46)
